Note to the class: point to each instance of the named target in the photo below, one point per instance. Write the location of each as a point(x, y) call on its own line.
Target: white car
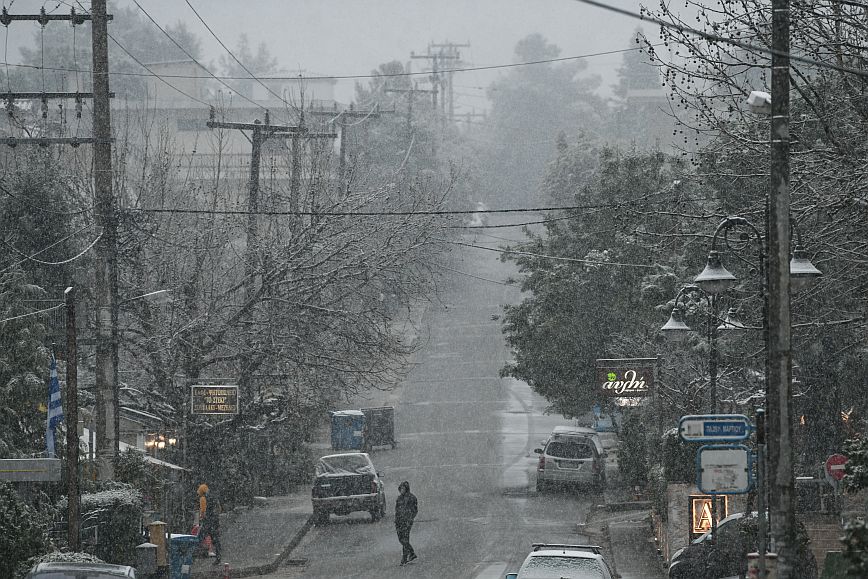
point(556, 561)
point(85, 570)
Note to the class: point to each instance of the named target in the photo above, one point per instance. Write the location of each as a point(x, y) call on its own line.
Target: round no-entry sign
point(835, 466)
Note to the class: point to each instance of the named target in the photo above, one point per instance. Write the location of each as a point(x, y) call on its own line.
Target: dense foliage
point(24, 531)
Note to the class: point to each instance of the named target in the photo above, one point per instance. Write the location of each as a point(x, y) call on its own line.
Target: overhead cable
point(507, 251)
point(241, 64)
point(356, 76)
point(193, 58)
point(717, 38)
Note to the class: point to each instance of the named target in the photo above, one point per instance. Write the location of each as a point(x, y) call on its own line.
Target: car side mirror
point(538, 450)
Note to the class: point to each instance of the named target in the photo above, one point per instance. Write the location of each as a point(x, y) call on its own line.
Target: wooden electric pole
point(449, 51)
point(779, 345)
point(71, 415)
point(261, 133)
point(106, 279)
point(341, 119)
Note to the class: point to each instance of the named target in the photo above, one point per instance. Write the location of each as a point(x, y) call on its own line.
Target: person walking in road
point(406, 507)
point(209, 518)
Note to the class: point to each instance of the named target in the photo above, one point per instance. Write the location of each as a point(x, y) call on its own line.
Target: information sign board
point(724, 469)
point(214, 399)
point(30, 469)
point(714, 428)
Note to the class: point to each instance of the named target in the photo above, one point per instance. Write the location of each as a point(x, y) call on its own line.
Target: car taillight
point(542, 463)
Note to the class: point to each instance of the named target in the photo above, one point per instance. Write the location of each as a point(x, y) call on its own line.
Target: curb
point(265, 568)
point(628, 506)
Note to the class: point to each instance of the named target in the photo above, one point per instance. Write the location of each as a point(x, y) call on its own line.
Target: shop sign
point(626, 377)
point(701, 514)
point(206, 399)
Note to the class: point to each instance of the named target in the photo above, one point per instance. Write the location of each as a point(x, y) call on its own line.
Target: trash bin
point(379, 426)
point(181, 549)
point(348, 429)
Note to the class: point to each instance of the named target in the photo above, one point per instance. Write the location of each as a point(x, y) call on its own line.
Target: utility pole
point(410, 92)
point(261, 133)
point(779, 353)
point(106, 279)
point(73, 536)
point(341, 117)
point(451, 53)
point(439, 83)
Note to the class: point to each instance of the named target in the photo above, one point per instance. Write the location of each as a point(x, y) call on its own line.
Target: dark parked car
point(80, 571)
point(726, 556)
point(346, 483)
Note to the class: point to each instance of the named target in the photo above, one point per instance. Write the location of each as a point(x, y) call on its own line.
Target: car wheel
point(320, 517)
point(541, 486)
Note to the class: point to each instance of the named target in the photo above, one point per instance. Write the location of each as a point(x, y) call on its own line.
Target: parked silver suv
point(572, 454)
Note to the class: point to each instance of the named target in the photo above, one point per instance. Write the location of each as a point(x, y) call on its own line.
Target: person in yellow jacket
point(209, 518)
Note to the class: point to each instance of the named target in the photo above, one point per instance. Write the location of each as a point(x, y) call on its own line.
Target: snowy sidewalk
point(634, 551)
point(256, 540)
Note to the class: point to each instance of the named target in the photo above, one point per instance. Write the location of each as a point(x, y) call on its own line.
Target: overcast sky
point(351, 37)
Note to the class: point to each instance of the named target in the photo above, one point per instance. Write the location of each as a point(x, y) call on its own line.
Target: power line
point(348, 76)
point(724, 39)
point(241, 64)
point(37, 312)
point(44, 249)
point(458, 271)
point(193, 58)
point(544, 256)
point(136, 60)
point(370, 213)
point(501, 226)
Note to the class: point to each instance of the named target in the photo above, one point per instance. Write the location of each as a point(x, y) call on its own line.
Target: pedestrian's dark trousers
point(404, 539)
point(214, 531)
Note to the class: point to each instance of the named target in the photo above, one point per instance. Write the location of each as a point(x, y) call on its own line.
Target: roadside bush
point(633, 453)
point(22, 535)
point(657, 490)
point(679, 458)
point(114, 517)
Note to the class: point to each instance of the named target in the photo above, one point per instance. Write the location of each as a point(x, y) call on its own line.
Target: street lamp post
point(775, 290)
point(677, 327)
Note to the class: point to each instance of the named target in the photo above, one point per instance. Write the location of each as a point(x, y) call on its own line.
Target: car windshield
point(548, 566)
point(345, 464)
point(571, 450)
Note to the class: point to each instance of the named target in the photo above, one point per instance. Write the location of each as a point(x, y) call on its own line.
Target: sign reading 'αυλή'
point(626, 377)
point(214, 399)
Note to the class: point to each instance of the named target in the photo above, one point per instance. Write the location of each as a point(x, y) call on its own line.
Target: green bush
point(657, 487)
point(679, 458)
point(114, 517)
point(22, 534)
point(633, 453)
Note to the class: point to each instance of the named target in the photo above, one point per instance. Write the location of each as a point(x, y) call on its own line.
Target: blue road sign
point(714, 428)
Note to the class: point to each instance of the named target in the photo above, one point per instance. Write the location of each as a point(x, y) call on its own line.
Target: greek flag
point(55, 410)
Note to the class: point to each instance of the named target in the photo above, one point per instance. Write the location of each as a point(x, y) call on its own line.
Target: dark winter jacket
point(406, 507)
